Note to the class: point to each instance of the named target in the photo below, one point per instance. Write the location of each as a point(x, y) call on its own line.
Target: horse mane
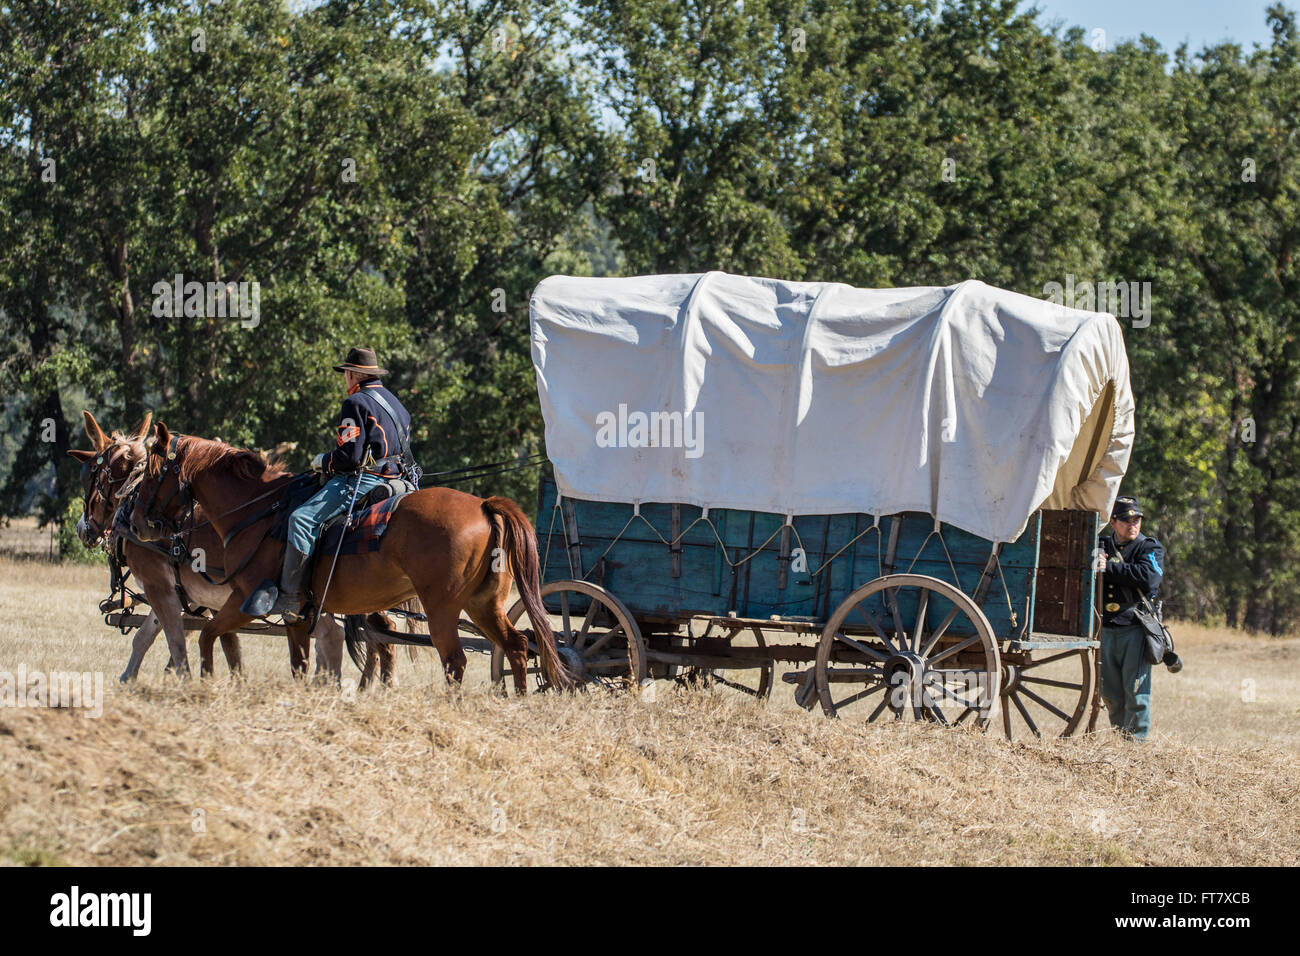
point(136, 450)
point(203, 454)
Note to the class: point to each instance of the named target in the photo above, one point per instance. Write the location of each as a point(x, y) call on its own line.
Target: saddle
point(369, 520)
point(304, 486)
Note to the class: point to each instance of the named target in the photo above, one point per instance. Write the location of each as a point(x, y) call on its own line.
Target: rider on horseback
point(373, 432)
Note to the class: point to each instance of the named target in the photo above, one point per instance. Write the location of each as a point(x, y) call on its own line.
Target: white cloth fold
point(973, 404)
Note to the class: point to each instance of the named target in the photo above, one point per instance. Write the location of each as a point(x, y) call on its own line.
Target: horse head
point(106, 471)
point(161, 498)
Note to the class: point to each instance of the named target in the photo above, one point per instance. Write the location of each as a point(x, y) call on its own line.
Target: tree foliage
point(401, 173)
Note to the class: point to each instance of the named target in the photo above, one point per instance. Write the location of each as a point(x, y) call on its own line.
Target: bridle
point(97, 478)
point(155, 514)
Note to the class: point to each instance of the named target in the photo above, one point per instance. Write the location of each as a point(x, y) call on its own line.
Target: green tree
point(693, 169)
point(1240, 158)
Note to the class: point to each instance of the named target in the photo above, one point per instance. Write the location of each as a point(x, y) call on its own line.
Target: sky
point(1199, 22)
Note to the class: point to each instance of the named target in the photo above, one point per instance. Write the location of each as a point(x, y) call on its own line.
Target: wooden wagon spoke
point(962, 676)
point(939, 632)
point(1043, 703)
point(564, 613)
point(900, 632)
point(1015, 699)
point(1052, 683)
point(934, 707)
point(922, 605)
point(879, 708)
point(961, 700)
point(973, 639)
point(956, 673)
point(857, 646)
point(601, 641)
point(1050, 660)
point(875, 626)
point(581, 637)
point(964, 714)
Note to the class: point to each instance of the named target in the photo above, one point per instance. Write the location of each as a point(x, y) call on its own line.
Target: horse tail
point(413, 626)
point(519, 543)
point(355, 638)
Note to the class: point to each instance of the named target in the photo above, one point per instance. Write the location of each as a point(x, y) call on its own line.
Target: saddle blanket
point(364, 532)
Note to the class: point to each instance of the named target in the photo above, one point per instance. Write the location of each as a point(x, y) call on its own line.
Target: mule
point(110, 465)
point(452, 550)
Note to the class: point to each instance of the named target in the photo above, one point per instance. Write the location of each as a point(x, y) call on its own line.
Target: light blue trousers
point(331, 500)
point(1126, 679)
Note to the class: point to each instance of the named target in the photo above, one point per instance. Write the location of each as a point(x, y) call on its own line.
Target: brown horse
point(110, 466)
point(450, 549)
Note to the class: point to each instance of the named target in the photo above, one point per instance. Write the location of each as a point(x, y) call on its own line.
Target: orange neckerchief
point(359, 386)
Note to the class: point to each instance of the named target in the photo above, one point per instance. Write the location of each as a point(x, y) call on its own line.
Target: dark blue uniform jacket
point(363, 424)
point(1131, 571)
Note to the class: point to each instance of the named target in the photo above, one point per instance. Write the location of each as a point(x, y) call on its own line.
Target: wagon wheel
point(750, 681)
point(597, 639)
point(941, 665)
point(1047, 697)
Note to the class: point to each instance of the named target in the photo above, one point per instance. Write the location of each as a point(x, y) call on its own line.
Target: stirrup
point(293, 612)
point(289, 606)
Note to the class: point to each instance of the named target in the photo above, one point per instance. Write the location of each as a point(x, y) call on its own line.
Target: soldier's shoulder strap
point(401, 432)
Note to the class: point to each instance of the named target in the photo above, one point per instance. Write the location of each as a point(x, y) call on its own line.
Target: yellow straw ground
point(266, 770)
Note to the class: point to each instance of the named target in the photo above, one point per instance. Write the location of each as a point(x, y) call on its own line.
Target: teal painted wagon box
point(741, 563)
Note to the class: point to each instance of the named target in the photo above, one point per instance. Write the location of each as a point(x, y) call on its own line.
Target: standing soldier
point(1134, 567)
point(372, 443)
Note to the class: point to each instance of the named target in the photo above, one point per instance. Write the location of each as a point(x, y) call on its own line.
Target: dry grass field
point(266, 770)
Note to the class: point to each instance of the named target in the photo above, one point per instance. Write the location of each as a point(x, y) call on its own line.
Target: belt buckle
point(1112, 607)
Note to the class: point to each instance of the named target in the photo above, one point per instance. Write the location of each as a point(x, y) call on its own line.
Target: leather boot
point(285, 599)
point(289, 601)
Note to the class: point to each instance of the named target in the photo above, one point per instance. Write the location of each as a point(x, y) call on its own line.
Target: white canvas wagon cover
point(973, 404)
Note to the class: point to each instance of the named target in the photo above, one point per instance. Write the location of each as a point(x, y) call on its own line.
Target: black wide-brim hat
point(363, 361)
point(1126, 508)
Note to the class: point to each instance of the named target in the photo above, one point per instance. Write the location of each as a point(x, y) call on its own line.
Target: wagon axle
point(905, 677)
